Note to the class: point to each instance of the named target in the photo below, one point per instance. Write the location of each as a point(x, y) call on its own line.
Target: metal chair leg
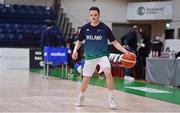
point(47, 71)
point(66, 73)
point(44, 69)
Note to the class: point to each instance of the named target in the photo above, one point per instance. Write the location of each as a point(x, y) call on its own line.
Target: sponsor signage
point(36, 59)
point(57, 56)
point(150, 11)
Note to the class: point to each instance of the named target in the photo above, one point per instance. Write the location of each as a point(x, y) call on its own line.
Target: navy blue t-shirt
point(96, 40)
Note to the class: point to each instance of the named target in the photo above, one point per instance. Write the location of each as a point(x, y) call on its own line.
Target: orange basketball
point(128, 60)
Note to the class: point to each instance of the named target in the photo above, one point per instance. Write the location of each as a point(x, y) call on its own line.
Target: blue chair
point(55, 56)
point(11, 31)
point(3, 26)
point(2, 40)
point(16, 6)
point(20, 37)
point(30, 14)
point(2, 37)
point(23, 7)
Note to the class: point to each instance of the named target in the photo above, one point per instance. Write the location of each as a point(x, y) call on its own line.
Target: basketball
point(128, 60)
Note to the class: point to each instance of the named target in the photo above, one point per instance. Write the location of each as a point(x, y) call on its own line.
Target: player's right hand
point(74, 55)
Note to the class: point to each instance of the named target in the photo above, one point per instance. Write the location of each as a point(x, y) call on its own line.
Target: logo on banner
point(141, 11)
point(58, 54)
point(55, 54)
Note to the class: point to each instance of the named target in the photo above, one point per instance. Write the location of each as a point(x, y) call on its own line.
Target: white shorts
point(90, 65)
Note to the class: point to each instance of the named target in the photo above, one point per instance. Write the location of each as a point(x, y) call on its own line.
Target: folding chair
point(55, 56)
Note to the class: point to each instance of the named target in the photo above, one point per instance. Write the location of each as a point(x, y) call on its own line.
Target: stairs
point(62, 21)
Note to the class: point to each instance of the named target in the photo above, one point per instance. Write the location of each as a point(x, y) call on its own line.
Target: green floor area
point(165, 93)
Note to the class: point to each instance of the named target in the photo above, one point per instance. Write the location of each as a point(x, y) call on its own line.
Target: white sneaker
point(112, 103)
point(80, 100)
point(129, 78)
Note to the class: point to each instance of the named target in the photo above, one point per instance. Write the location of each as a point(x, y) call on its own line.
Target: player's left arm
point(118, 46)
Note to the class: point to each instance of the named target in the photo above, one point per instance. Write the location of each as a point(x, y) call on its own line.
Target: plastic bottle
point(173, 54)
point(156, 54)
point(170, 55)
point(150, 54)
point(153, 54)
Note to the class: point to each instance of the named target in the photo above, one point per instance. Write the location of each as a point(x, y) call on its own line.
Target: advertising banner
point(57, 56)
point(150, 11)
point(36, 59)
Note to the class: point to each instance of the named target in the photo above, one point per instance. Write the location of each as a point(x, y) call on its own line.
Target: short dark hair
point(94, 8)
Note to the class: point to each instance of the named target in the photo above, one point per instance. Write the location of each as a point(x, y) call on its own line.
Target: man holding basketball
point(96, 35)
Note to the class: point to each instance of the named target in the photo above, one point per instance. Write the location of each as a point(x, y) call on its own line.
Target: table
point(177, 73)
point(163, 71)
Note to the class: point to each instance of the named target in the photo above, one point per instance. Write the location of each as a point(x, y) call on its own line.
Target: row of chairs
point(25, 7)
point(6, 28)
point(25, 12)
point(23, 21)
point(19, 40)
point(19, 31)
point(22, 26)
point(12, 36)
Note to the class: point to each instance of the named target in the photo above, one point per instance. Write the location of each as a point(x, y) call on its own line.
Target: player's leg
point(106, 67)
point(88, 71)
point(84, 84)
point(83, 88)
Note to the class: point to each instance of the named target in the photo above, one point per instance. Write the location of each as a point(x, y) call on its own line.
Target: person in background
point(156, 46)
point(52, 36)
point(96, 35)
point(130, 43)
point(142, 52)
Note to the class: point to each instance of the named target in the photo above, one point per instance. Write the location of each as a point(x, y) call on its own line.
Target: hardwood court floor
point(23, 91)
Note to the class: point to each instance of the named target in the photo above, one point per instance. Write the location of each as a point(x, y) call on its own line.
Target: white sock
point(81, 93)
point(110, 94)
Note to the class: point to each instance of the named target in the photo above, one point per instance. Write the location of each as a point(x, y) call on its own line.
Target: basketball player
point(96, 35)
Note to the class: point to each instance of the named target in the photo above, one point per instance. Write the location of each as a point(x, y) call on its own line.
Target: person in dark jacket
point(130, 43)
point(52, 36)
point(142, 52)
point(131, 40)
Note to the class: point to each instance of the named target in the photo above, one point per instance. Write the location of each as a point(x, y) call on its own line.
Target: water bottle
point(150, 54)
point(153, 54)
point(156, 54)
point(170, 55)
point(173, 54)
